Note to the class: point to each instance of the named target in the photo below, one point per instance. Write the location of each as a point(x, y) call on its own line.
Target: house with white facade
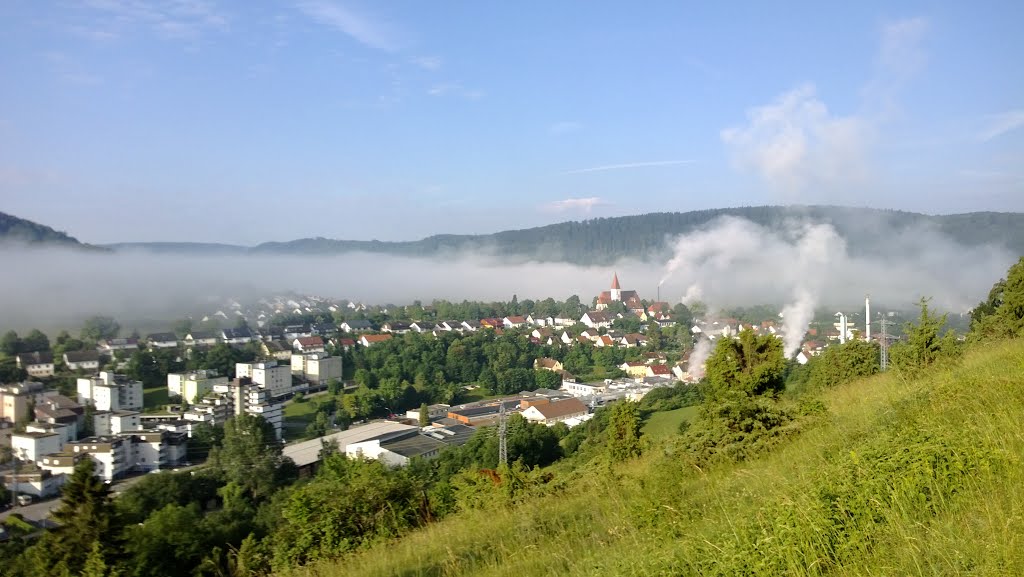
point(38, 364)
point(238, 336)
point(396, 449)
point(370, 340)
point(596, 319)
point(82, 360)
point(31, 445)
point(200, 338)
point(116, 422)
point(162, 340)
point(308, 344)
point(111, 346)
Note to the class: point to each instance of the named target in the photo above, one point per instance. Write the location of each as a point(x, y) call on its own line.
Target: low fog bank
point(729, 262)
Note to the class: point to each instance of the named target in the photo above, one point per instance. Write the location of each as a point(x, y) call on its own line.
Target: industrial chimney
point(867, 318)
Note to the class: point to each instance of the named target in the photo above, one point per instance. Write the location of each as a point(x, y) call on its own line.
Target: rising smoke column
point(816, 246)
point(700, 354)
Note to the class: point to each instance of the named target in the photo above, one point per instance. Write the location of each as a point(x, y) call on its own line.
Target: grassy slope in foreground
point(918, 477)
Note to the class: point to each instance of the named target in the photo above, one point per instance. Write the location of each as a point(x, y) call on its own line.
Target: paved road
point(41, 510)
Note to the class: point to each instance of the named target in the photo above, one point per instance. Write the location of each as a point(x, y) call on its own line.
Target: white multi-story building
point(66, 431)
point(110, 392)
point(275, 378)
point(237, 397)
point(318, 368)
point(31, 446)
point(193, 385)
point(110, 453)
point(115, 422)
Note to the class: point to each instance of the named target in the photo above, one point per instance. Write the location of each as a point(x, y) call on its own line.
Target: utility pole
point(502, 434)
point(884, 361)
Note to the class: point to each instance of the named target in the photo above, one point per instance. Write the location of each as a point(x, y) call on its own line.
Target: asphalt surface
point(41, 510)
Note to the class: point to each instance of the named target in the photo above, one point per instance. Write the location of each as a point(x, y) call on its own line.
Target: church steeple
point(616, 293)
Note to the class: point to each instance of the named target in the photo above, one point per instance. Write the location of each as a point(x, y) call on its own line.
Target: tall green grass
point(903, 477)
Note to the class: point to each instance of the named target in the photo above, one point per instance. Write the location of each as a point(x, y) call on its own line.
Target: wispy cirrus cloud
point(581, 204)
point(629, 165)
point(564, 127)
point(428, 62)
point(182, 19)
point(1000, 124)
point(454, 89)
point(360, 27)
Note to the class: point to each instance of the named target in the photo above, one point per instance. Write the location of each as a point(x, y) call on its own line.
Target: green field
point(154, 398)
point(666, 423)
point(296, 417)
point(901, 476)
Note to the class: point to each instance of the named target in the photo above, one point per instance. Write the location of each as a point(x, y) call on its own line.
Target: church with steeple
point(617, 295)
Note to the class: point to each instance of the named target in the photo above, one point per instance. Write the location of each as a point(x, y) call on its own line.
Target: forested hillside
point(14, 230)
point(605, 240)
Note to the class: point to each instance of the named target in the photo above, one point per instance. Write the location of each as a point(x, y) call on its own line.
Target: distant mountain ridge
point(19, 231)
point(602, 240)
point(605, 240)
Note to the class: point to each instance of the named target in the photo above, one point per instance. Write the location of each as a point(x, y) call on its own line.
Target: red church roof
point(615, 281)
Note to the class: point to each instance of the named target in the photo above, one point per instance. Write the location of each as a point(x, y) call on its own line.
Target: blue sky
point(242, 122)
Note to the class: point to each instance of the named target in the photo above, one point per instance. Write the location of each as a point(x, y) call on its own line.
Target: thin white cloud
point(428, 62)
point(185, 19)
point(795, 142)
point(1000, 124)
point(564, 127)
point(357, 26)
point(454, 89)
point(629, 165)
point(583, 204)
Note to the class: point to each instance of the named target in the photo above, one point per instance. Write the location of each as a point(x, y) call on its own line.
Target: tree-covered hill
point(604, 240)
point(18, 231)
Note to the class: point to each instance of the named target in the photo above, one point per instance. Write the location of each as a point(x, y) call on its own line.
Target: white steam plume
point(700, 354)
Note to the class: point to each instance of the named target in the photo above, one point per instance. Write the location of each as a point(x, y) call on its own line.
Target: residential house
point(275, 350)
point(550, 412)
point(547, 363)
point(395, 327)
point(596, 319)
point(162, 340)
point(82, 360)
point(422, 326)
point(513, 322)
point(238, 336)
point(370, 340)
point(324, 329)
point(356, 326)
point(38, 364)
point(562, 322)
point(66, 432)
point(634, 369)
point(605, 341)
point(450, 326)
point(662, 371)
point(471, 326)
point(110, 346)
point(200, 338)
point(292, 332)
point(346, 344)
point(633, 340)
point(317, 368)
point(308, 345)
